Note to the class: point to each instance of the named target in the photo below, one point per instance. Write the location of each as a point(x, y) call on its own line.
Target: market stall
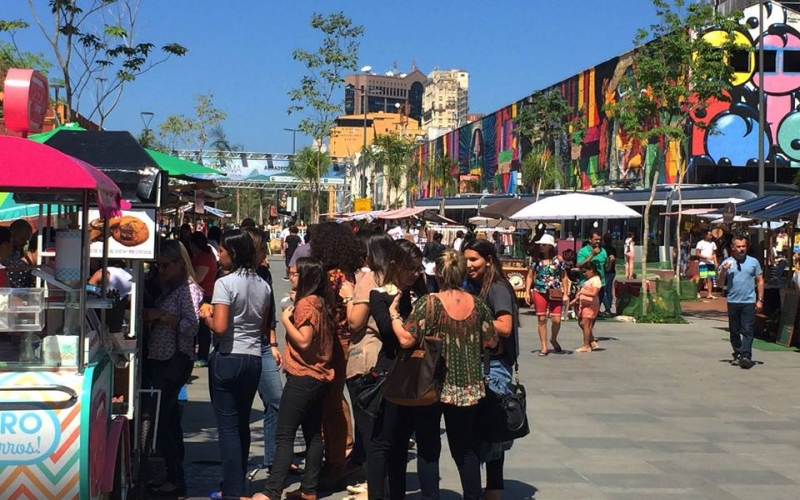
point(59, 437)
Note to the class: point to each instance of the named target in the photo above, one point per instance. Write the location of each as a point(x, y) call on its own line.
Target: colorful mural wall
point(485, 155)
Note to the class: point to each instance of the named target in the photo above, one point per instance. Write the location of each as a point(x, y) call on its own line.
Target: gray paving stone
point(745, 477)
point(682, 447)
point(562, 476)
point(613, 418)
point(621, 480)
point(598, 442)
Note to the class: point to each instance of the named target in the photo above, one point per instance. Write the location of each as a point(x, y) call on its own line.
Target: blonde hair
point(451, 270)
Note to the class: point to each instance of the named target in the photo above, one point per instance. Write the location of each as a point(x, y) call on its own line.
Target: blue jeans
point(608, 291)
point(233, 381)
point(741, 317)
point(270, 389)
point(301, 406)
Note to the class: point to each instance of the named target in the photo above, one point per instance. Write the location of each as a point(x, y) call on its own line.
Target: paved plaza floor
point(658, 414)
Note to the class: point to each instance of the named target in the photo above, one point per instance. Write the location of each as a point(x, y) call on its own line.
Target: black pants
point(401, 422)
point(363, 423)
point(459, 423)
point(203, 337)
point(233, 381)
point(302, 405)
point(169, 377)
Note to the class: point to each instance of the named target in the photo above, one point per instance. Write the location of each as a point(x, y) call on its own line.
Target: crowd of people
point(358, 299)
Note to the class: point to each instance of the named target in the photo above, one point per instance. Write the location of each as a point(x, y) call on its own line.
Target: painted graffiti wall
point(485, 155)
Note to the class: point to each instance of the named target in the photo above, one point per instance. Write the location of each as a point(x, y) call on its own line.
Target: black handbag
point(502, 417)
point(415, 377)
point(370, 400)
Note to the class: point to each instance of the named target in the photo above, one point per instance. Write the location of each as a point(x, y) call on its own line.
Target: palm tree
point(539, 170)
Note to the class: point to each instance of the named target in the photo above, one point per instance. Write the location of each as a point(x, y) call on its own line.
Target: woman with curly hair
point(337, 248)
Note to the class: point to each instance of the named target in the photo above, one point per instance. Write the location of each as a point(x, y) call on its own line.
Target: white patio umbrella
point(575, 206)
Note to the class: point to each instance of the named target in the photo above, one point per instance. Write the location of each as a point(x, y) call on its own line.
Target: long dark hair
point(312, 279)
point(199, 240)
point(241, 249)
point(403, 253)
point(379, 254)
point(494, 273)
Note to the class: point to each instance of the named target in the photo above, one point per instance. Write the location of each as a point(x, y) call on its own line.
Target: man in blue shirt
point(745, 281)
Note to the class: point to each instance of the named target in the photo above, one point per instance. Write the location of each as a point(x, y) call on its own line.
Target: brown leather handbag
point(415, 376)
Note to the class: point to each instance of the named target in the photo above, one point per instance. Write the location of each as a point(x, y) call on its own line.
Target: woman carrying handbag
point(465, 326)
point(485, 279)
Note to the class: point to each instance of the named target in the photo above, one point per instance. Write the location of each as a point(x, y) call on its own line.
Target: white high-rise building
point(445, 101)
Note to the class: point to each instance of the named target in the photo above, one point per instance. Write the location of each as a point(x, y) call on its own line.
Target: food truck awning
point(27, 166)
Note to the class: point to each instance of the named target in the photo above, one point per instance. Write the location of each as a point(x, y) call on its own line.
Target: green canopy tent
point(178, 167)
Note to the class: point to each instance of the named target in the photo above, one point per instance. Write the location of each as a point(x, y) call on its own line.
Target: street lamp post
point(761, 117)
point(147, 119)
point(362, 184)
point(294, 138)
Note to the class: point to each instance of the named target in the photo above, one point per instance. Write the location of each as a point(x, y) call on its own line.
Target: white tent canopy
point(575, 206)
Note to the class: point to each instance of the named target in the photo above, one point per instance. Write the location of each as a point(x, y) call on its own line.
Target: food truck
point(61, 436)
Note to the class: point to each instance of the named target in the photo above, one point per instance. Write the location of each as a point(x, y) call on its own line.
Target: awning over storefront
point(789, 207)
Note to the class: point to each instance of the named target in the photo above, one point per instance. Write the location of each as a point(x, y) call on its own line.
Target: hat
point(546, 239)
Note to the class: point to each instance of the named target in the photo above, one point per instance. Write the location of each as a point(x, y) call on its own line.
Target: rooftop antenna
point(413, 63)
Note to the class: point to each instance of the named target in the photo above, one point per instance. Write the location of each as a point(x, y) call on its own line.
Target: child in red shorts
point(588, 300)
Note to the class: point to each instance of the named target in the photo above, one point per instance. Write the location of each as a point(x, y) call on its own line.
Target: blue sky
point(241, 50)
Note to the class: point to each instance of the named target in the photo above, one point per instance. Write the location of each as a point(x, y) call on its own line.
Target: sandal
point(595, 345)
point(543, 353)
point(556, 346)
point(583, 349)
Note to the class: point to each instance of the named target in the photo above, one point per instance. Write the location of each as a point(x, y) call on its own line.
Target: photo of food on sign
point(126, 230)
point(132, 235)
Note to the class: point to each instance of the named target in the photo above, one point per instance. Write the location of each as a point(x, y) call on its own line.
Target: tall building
point(392, 92)
point(445, 104)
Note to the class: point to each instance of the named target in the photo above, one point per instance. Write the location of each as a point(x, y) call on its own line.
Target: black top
point(379, 302)
point(292, 242)
point(265, 274)
point(611, 250)
point(501, 300)
point(432, 251)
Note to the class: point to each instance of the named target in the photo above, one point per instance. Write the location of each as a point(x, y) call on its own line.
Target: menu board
point(788, 318)
point(131, 236)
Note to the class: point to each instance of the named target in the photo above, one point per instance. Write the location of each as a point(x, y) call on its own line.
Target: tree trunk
point(646, 243)
point(681, 174)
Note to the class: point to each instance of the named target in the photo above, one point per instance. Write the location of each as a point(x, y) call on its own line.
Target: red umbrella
point(28, 166)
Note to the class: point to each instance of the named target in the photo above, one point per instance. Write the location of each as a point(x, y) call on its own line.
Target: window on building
point(740, 61)
point(770, 61)
point(791, 61)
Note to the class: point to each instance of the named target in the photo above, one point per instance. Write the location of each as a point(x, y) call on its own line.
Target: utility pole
point(761, 100)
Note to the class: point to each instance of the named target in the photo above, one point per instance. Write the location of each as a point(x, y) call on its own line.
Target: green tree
point(445, 174)
point(539, 170)
point(95, 46)
point(305, 166)
point(182, 132)
point(542, 120)
point(680, 63)
point(319, 90)
point(393, 153)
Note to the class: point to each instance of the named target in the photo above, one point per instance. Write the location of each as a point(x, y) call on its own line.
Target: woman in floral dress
point(465, 325)
point(548, 288)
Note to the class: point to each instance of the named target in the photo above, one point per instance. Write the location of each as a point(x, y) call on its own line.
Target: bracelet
point(347, 299)
point(273, 344)
point(395, 316)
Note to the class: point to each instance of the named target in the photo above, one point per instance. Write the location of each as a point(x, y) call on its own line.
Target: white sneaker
point(358, 488)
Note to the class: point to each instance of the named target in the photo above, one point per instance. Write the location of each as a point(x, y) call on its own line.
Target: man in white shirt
point(706, 250)
point(458, 241)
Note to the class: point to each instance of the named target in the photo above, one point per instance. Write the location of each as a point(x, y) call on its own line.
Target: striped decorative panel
point(39, 445)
